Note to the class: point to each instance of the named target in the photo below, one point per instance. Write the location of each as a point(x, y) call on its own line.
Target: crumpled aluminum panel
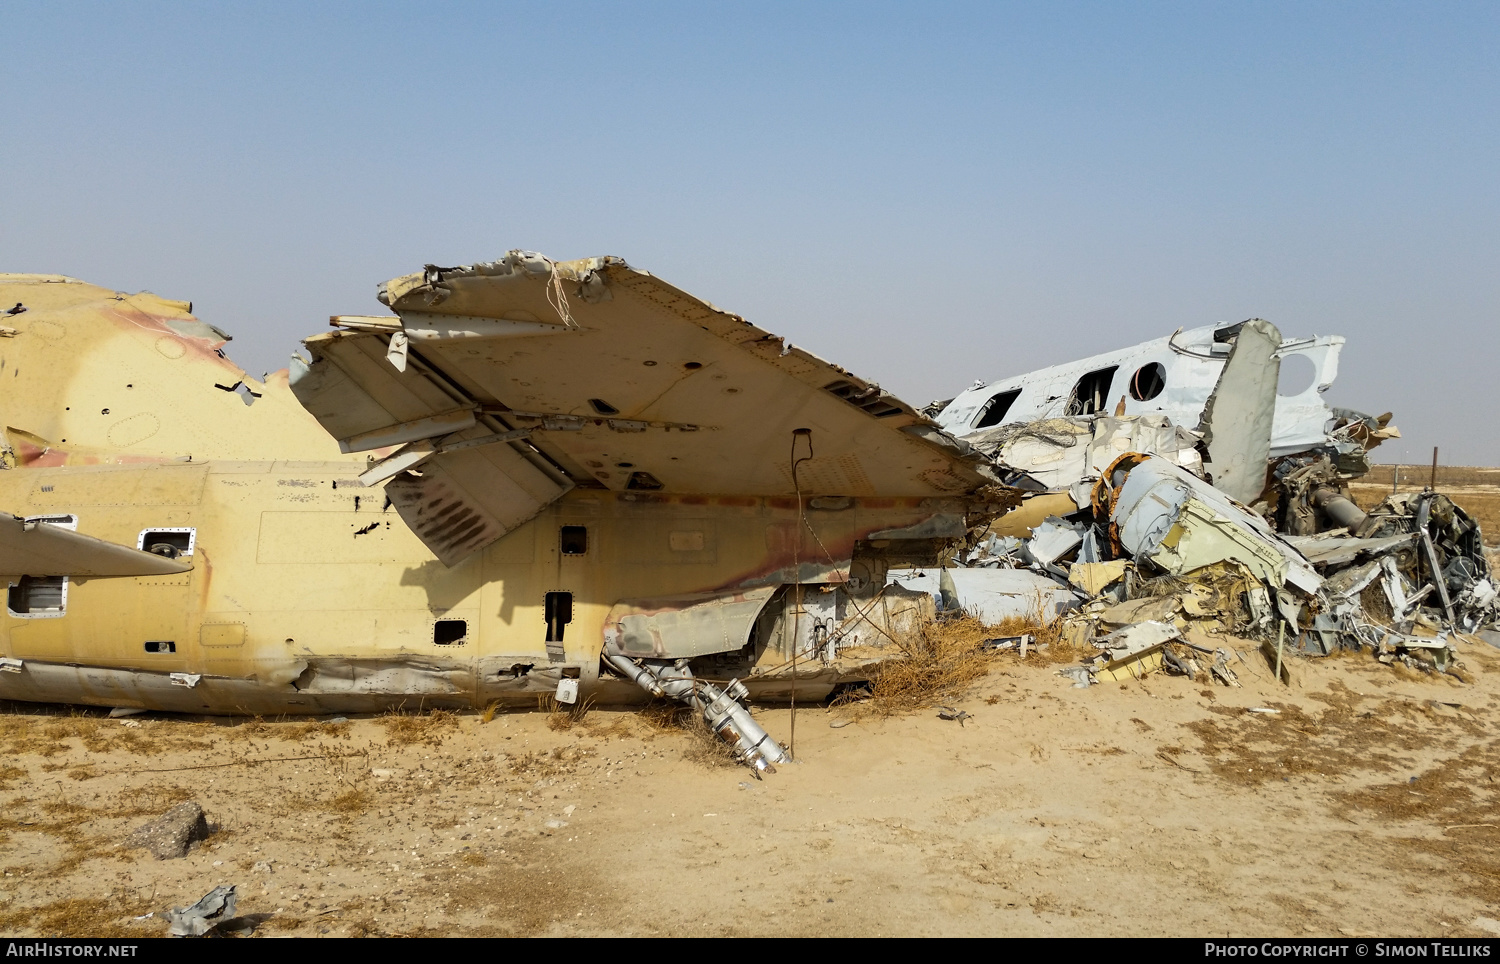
point(685, 626)
point(1182, 523)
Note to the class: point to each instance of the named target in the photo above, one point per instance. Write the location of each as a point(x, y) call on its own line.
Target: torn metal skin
point(1207, 399)
point(1241, 525)
point(98, 376)
point(1173, 376)
point(575, 449)
point(1399, 582)
point(1180, 523)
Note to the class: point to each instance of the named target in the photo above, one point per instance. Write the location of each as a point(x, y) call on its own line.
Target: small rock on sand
point(171, 834)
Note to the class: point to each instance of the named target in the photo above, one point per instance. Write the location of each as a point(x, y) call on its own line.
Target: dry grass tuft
point(82, 917)
point(562, 716)
point(26, 729)
point(67, 827)
point(428, 728)
point(1407, 673)
point(561, 759)
point(350, 803)
point(1049, 644)
point(669, 716)
point(78, 725)
point(144, 801)
point(45, 733)
point(662, 715)
point(941, 662)
point(297, 732)
point(253, 727)
point(618, 726)
point(705, 748)
point(291, 730)
point(947, 656)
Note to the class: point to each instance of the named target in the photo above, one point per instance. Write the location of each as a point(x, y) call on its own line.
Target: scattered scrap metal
point(210, 914)
point(1162, 534)
point(949, 713)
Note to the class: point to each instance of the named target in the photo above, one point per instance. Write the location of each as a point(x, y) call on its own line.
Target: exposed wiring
point(1172, 344)
point(557, 298)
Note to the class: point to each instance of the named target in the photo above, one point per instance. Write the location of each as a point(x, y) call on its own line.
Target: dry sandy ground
point(1476, 490)
point(1366, 806)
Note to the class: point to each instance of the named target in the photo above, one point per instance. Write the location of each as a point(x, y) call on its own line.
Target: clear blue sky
point(925, 194)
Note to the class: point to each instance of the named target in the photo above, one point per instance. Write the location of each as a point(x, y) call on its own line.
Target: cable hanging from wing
point(800, 433)
point(558, 298)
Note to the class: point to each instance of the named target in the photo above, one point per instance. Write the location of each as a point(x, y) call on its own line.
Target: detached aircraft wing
point(507, 384)
point(34, 547)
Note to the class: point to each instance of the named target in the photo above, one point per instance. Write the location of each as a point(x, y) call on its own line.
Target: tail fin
point(136, 377)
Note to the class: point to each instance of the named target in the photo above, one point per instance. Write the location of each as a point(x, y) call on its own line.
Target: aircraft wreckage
point(530, 479)
point(536, 479)
point(1203, 504)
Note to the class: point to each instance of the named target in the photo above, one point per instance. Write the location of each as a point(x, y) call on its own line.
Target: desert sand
point(1365, 804)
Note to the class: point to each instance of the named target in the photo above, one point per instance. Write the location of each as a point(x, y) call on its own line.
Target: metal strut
point(722, 710)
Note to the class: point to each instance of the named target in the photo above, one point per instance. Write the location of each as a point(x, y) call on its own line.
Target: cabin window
point(38, 596)
point(1148, 381)
point(161, 646)
point(1091, 394)
point(1297, 375)
point(171, 543)
point(559, 612)
point(450, 632)
point(992, 413)
point(574, 540)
